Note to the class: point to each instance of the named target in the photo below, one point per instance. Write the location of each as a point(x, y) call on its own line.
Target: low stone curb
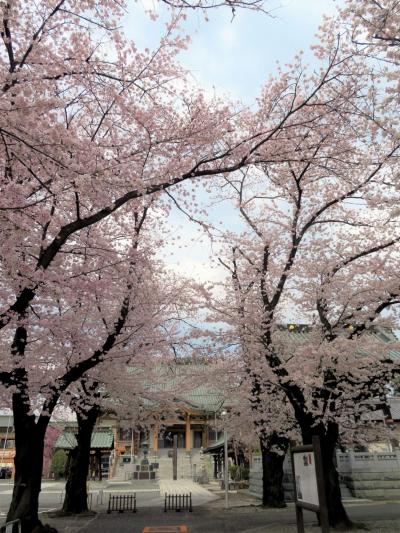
point(386, 526)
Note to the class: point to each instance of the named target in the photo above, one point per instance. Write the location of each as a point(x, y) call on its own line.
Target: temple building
point(7, 441)
point(173, 405)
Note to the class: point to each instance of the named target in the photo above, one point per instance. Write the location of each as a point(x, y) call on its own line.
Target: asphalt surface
point(376, 518)
point(148, 494)
point(51, 496)
point(244, 515)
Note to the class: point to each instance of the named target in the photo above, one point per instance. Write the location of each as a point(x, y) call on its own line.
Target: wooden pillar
point(204, 435)
point(155, 439)
point(136, 447)
point(188, 440)
point(116, 437)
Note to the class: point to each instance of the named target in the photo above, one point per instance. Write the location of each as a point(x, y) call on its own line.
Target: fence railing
point(178, 502)
point(368, 462)
point(121, 503)
point(351, 462)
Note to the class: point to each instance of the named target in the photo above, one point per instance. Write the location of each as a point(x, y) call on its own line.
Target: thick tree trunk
point(75, 500)
point(337, 513)
point(272, 466)
point(28, 461)
point(338, 517)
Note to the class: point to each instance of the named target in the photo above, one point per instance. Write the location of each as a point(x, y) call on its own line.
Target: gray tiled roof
point(174, 379)
point(100, 439)
point(394, 405)
point(300, 334)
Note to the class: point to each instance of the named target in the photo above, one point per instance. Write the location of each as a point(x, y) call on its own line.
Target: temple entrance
point(166, 439)
point(198, 439)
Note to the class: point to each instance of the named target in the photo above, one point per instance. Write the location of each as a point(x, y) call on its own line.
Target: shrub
point(58, 463)
point(238, 473)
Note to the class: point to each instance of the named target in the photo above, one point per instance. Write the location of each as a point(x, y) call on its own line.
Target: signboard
point(305, 477)
point(308, 479)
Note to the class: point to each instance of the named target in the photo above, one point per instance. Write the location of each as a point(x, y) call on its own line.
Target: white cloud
point(228, 36)
point(149, 5)
point(311, 7)
point(199, 271)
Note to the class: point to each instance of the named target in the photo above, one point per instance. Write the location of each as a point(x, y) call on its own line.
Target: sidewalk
point(200, 494)
point(236, 498)
point(373, 527)
point(242, 500)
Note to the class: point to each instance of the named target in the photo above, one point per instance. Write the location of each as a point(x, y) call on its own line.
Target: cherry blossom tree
point(258, 402)
point(87, 407)
point(83, 122)
point(374, 27)
point(324, 386)
point(66, 341)
point(117, 386)
point(111, 307)
point(303, 205)
point(89, 124)
point(369, 30)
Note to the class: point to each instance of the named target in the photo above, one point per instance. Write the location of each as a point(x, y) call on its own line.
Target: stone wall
point(255, 483)
point(374, 476)
point(288, 479)
point(256, 478)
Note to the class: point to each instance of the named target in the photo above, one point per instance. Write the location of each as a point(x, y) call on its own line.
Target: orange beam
point(155, 439)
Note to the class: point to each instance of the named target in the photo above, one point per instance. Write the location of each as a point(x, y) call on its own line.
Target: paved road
point(51, 496)
point(148, 494)
point(182, 486)
point(209, 515)
point(235, 520)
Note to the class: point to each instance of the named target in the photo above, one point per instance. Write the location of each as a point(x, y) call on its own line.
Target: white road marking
point(130, 490)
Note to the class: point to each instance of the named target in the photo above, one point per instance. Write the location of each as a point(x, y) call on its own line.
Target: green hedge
point(58, 463)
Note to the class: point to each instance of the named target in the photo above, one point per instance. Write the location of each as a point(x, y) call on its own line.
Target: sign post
point(175, 458)
point(226, 468)
point(309, 486)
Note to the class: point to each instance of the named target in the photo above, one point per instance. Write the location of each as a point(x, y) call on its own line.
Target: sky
point(237, 55)
point(233, 57)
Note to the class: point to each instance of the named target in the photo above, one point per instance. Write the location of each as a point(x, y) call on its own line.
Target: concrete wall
point(374, 476)
point(255, 483)
point(256, 478)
